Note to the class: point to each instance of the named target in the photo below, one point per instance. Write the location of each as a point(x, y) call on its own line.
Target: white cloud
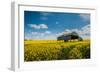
point(86, 29)
point(43, 18)
point(39, 35)
point(85, 17)
point(45, 13)
point(60, 33)
point(47, 32)
point(28, 36)
point(39, 26)
point(67, 31)
point(43, 26)
point(35, 26)
point(34, 33)
point(84, 32)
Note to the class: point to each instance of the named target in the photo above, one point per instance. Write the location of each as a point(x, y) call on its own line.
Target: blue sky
point(49, 25)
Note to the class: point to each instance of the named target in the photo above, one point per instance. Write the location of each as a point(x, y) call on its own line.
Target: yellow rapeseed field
point(43, 50)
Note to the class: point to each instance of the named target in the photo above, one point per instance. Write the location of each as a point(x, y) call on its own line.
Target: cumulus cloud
point(34, 33)
point(44, 15)
point(43, 18)
point(39, 35)
point(43, 26)
point(39, 26)
point(84, 32)
point(47, 32)
point(86, 29)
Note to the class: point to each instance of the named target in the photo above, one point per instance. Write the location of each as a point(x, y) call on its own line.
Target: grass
point(43, 50)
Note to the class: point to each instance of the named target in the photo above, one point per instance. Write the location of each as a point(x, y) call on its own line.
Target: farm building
point(69, 36)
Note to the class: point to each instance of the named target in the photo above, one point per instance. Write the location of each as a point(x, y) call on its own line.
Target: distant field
point(43, 50)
